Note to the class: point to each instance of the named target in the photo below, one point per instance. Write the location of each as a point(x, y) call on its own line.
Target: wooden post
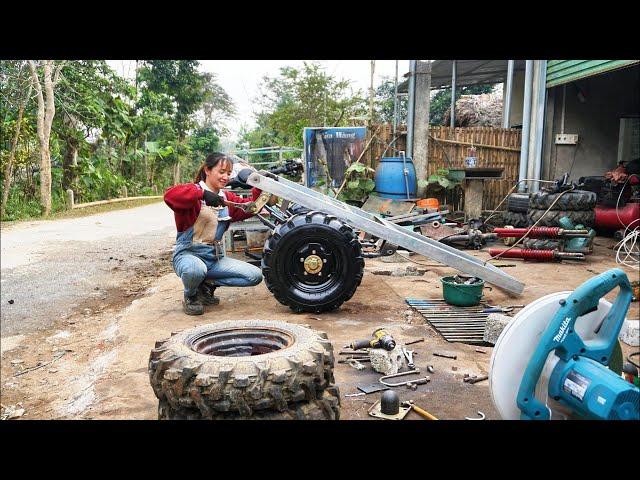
point(124, 191)
point(154, 189)
point(473, 198)
point(421, 122)
point(69, 199)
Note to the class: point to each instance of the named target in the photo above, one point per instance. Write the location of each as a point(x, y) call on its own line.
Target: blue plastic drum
point(390, 178)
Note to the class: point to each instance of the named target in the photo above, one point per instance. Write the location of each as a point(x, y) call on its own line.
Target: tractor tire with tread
point(573, 200)
point(552, 217)
point(542, 244)
point(518, 202)
point(326, 407)
point(515, 219)
point(327, 239)
point(198, 368)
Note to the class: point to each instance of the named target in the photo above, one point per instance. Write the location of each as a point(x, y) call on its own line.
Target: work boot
point(206, 294)
point(192, 305)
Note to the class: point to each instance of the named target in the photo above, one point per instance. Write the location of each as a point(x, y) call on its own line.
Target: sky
point(240, 78)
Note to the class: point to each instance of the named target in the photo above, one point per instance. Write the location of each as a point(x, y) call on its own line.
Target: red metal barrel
point(607, 219)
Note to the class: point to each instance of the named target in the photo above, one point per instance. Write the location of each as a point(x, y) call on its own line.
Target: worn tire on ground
point(574, 200)
point(515, 219)
point(552, 217)
point(284, 263)
point(542, 244)
point(518, 202)
point(326, 407)
point(281, 363)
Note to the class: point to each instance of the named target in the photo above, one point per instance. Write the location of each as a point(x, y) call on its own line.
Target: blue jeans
point(194, 263)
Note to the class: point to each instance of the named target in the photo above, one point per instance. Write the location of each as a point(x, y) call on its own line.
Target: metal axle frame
point(386, 230)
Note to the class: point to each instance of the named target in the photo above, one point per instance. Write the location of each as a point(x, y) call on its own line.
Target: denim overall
point(197, 256)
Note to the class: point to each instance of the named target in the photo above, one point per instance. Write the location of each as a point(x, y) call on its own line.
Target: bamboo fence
point(448, 147)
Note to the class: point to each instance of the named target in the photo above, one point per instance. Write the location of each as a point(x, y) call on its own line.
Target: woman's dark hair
point(211, 161)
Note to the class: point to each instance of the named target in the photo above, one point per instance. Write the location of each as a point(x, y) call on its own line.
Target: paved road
point(49, 267)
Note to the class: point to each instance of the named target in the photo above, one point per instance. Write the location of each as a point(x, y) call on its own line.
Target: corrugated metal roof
point(468, 72)
point(565, 71)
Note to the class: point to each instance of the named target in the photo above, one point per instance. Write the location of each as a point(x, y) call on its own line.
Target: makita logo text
point(563, 327)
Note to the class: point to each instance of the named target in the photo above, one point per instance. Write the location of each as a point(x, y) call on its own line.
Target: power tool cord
point(629, 240)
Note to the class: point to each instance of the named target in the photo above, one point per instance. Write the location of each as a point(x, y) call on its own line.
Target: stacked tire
point(577, 205)
point(517, 207)
point(252, 369)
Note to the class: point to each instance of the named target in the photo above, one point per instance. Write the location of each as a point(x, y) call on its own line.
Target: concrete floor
point(104, 373)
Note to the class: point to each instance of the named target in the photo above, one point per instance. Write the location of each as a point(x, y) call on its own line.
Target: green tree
point(203, 141)
point(14, 77)
point(181, 82)
point(299, 98)
point(217, 105)
point(180, 90)
point(384, 104)
point(93, 98)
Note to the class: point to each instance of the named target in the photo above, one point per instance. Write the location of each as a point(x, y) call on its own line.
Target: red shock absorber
point(526, 253)
point(536, 232)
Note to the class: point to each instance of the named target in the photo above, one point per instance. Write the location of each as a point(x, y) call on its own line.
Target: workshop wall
point(593, 108)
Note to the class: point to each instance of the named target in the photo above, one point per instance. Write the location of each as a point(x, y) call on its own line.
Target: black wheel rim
point(240, 342)
point(304, 255)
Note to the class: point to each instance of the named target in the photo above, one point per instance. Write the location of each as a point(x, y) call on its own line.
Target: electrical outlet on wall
point(566, 139)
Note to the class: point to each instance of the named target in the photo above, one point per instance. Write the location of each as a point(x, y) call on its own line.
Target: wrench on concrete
point(408, 354)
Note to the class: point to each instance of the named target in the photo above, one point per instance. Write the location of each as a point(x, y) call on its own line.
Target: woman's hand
point(212, 199)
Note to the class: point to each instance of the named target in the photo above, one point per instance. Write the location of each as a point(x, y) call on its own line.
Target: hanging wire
point(629, 242)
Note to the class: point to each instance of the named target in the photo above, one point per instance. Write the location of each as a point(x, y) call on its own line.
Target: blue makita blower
point(552, 360)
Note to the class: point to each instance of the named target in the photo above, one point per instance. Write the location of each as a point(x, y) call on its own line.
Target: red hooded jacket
point(186, 200)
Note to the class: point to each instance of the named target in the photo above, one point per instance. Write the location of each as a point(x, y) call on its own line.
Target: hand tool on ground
point(423, 413)
point(389, 407)
point(417, 381)
point(376, 387)
point(529, 254)
point(355, 394)
point(547, 365)
point(497, 310)
point(408, 354)
point(445, 355)
point(381, 339)
point(475, 379)
point(414, 341)
point(481, 417)
point(355, 364)
point(359, 359)
point(508, 309)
